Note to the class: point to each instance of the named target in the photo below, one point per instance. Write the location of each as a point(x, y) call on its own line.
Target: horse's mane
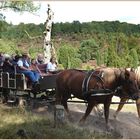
point(82, 71)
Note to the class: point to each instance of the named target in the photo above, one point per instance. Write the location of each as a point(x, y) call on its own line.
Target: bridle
point(119, 92)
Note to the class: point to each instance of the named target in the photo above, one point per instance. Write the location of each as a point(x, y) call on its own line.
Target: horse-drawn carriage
point(15, 82)
point(78, 83)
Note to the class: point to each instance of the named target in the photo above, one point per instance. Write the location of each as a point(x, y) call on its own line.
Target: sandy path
point(126, 125)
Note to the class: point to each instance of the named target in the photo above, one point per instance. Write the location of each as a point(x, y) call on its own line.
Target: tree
point(135, 60)
point(88, 50)
point(68, 57)
point(76, 26)
point(112, 57)
point(18, 6)
point(3, 27)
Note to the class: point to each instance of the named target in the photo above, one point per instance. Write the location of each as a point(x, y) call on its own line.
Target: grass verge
point(17, 123)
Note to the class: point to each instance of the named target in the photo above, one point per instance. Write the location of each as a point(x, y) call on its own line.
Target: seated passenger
point(34, 67)
point(40, 59)
point(51, 66)
point(15, 59)
point(24, 67)
point(8, 66)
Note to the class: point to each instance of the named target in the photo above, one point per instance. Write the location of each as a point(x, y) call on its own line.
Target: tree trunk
point(49, 50)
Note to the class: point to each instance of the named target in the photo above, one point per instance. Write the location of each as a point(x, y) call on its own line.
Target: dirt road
point(126, 125)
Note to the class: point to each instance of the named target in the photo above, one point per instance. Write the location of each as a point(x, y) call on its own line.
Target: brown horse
point(70, 82)
point(125, 96)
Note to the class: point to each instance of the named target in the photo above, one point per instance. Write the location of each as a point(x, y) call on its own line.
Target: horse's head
point(129, 83)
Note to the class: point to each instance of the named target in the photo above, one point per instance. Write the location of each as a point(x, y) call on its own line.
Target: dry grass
point(18, 123)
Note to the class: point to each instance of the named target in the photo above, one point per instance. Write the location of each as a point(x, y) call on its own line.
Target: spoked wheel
point(12, 98)
point(50, 94)
point(2, 99)
point(4, 95)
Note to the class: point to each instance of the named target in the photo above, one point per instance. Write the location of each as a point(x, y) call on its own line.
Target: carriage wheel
point(50, 94)
point(4, 95)
point(2, 100)
point(22, 102)
point(13, 99)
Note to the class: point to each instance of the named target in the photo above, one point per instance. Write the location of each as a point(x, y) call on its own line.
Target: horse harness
point(86, 92)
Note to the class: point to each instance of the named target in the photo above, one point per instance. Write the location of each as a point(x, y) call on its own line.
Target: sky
point(83, 11)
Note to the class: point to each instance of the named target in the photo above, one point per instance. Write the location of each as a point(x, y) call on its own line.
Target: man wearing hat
point(23, 67)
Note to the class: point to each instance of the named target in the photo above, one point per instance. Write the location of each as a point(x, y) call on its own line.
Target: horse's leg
point(138, 107)
point(98, 110)
point(106, 111)
point(90, 106)
point(60, 99)
point(64, 103)
point(120, 106)
point(95, 109)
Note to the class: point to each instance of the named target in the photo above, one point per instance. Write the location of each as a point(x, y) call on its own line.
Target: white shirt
point(20, 63)
point(51, 67)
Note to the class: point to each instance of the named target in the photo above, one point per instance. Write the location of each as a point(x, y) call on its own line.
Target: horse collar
point(87, 79)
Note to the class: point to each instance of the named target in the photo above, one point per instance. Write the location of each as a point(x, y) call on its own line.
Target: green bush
point(9, 47)
point(68, 57)
point(88, 50)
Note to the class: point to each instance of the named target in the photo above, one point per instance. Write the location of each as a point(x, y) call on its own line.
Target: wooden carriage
point(16, 82)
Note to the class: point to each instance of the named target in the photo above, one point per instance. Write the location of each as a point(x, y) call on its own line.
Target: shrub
point(68, 57)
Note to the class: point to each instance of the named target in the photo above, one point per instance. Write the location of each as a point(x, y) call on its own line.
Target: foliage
point(96, 27)
point(106, 42)
point(19, 6)
point(34, 51)
point(3, 27)
point(88, 50)
point(19, 32)
point(135, 60)
point(68, 57)
point(87, 67)
point(8, 47)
